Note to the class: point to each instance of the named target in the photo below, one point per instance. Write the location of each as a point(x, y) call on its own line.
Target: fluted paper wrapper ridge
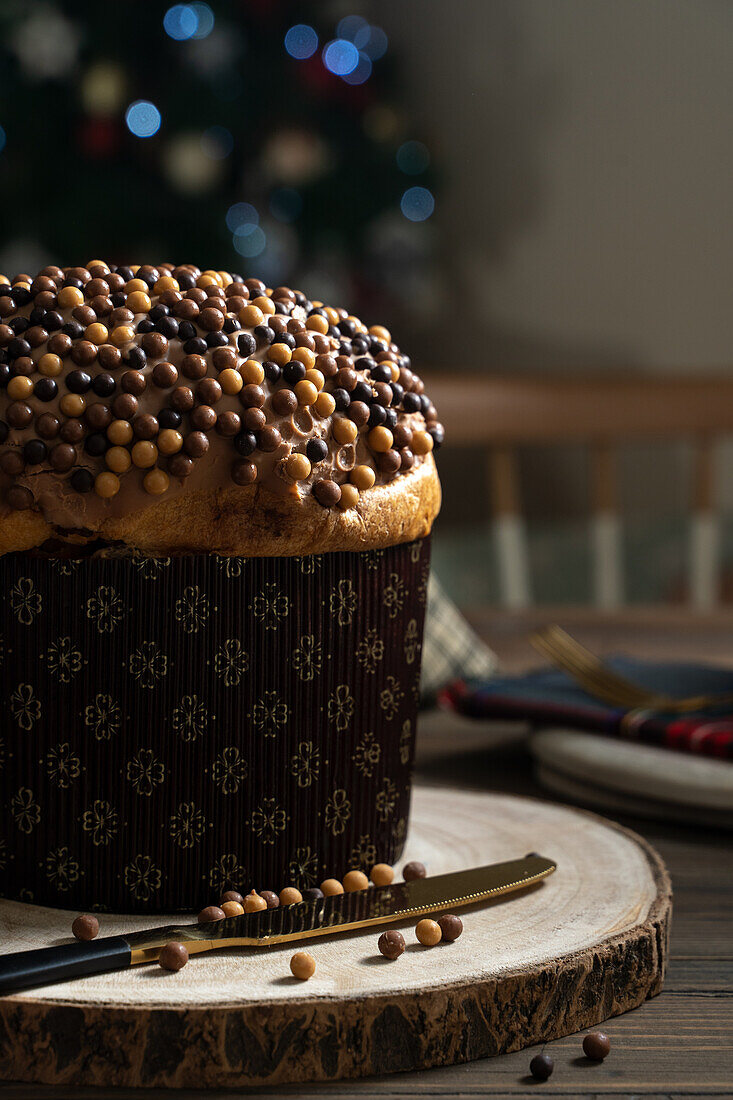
point(176, 726)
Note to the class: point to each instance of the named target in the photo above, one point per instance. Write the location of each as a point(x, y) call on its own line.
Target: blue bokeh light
point(301, 41)
point(3, 139)
point(241, 214)
point(142, 118)
point(417, 204)
point(340, 57)
point(375, 45)
point(361, 73)
point(217, 142)
point(412, 158)
point(352, 27)
point(249, 240)
point(286, 204)
point(181, 22)
point(204, 20)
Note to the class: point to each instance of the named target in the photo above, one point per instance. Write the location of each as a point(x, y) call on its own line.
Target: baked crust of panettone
point(254, 522)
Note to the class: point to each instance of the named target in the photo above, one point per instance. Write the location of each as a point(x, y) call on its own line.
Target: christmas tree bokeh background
point(263, 137)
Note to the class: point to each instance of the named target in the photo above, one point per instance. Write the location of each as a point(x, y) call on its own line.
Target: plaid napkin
point(451, 647)
point(551, 697)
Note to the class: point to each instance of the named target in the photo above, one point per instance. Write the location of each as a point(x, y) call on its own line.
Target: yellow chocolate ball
point(96, 333)
point(50, 365)
point(331, 887)
point(251, 316)
point(138, 302)
point(252, 372)
point(118, 459)
point(381, 333)
point(349, 497)
point(107, 485)
point(306, 393)
point(253, 903)
point(265, 304)
point(325, 404)
point(344, 430)
point(290, 896)
point(422, 443)
point(316, 378)
point(317, 323)
point(166, 282)
point(305, 356)
point(355, 880)
point(362, 477)
point(382, 874)
point(133, 285)
point(69, 296)
point(298, 467)
point(170, 441)
point(302, 965)
point(232, 908)
point(280, 354)
point(380, 440)
point(121, 335)
point(156, 482)
point(231, 380)
point(72, 404)
point(144, 453)
point(20, 387)
point(428, 932)
point(119, 431)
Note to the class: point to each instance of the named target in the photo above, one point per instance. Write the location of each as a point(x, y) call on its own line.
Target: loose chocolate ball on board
point(211, 912)
point(413, 870)
point(173, 956)
point(541, 1067)
point(302, 965)
point(596, 1046)
point(451, 927)
point(85, 927)
point(391, 943)
point(428, 932)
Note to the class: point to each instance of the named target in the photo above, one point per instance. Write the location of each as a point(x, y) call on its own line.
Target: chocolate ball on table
point(451, 927)
point(413, 870)
point(391, 944)
point(85, 927)
point(596, 1046)
point(173, 956)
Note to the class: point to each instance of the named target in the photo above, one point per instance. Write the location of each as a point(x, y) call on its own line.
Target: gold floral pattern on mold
point(62, 868)
point(24, 809)
point(105, 609)
point(270, 714)
point(363, 854)
point(145, 772)
point(303, 868)
point(190, 718)
point(386, 800)
point(63, 659)
point(394, 595)
point(340, 707)
point(308, 657)
point(100, 821)
point(142, 877)
point(270, 607)
point(187, 825)
point(25, 601)
point(342, 602)
point(227, 873)
point(337, 812)
point(103, 717)
point(62, 765)
point(25, 706)
point(305, 765)
point(147, 665)
point(370, 651)
point(390, 697)
point(191, 609)
point(231, 661)
point(367, 755)
point(229, 770)
point(268, 820)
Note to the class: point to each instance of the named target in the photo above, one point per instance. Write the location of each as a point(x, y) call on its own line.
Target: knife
point(302, 921)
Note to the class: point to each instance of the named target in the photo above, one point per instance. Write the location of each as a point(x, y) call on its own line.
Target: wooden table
point(679, 1044)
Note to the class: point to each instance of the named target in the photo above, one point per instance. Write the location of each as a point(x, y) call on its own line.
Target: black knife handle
point(25, 969)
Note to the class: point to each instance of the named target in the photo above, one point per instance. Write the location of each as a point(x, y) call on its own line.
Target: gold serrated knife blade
point(302, 921)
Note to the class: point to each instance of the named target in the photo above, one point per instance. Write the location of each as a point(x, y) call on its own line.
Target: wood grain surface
point(677, 1044)
point(589, 943)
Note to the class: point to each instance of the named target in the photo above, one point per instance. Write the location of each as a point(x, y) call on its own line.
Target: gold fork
point(603, 683)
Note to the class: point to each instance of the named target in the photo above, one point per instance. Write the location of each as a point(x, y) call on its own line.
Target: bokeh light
point(375, 45)
point(217, 142)
point(180, 22)
point(353, 27)
point(286, 204)
point(417, 204)
point(239, 214)
point(204, 20)
point(142, 118)
point(3, 139)
point(412, 158)
point(361, 73)
point(249, 240)
point(340, 57)
point(301, 41)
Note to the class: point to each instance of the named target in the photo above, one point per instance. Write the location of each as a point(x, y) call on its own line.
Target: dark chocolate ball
point(316, 450)
point(35, 452)
point(596, 1046)
point(413, 870)
point(541, 1067)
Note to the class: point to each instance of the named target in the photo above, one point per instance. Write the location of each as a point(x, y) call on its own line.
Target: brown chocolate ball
point(271, 898)
point(11, 463)
point(203, 418)
point(134, 381)
point(193, 366)
point(85, 927)
point(210, 913)
point(195, 444)
point(283, 402)
point(181, 399)
point(224, 358)
point(72, 431)
point(346, 378)
point(180, 465)
point(228, 424)
point(60, 344)
point(254, 420)
point(596, 1046)
point(98, 416)
point(451, 926)
point(253, 397)
point(165, 375)
point(208, 391)
point(19, 415)
point(269, 439)
point(145, 427)
point(173, 956)
point(210, 319)
point(124, 406)
point(48, 426)
point(108, 355)
point(84, 352)
point(155, 345)
point(20, 498)
point(62, 457)
point(232, 895)
point(407, 458)
point(413, 870)
point(391, 943)
point(402, 436)
point(243, 472)
point(389, 462)
point(327, 492)
point(358, 411)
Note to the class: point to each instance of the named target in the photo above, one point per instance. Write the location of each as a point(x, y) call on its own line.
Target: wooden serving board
point(588, 943)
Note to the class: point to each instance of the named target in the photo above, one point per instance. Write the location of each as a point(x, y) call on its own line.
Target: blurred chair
point(503, 415)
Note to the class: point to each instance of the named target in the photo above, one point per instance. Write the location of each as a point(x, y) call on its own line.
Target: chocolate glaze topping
point(122, 385)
